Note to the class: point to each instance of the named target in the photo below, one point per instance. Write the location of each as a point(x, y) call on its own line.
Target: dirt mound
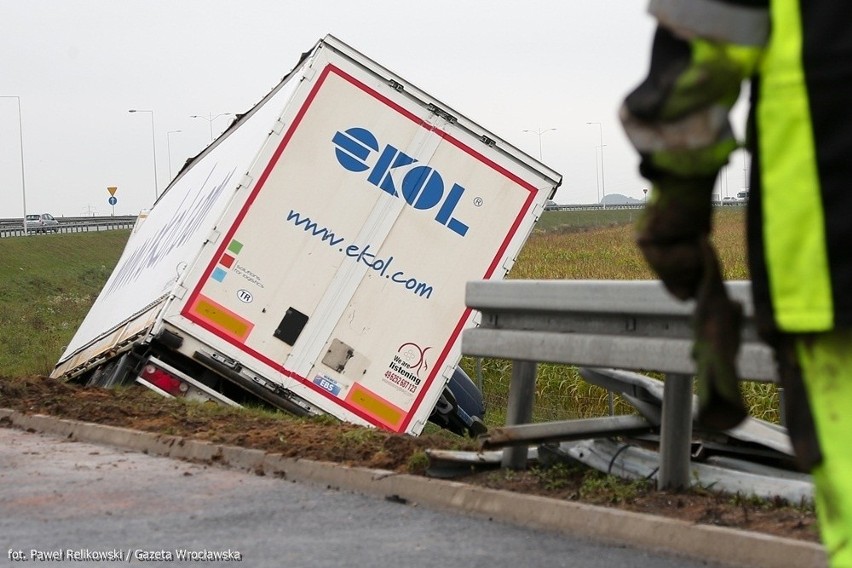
point(327, 439)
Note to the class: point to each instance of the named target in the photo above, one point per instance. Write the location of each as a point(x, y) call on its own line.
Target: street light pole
point(153, 149)
point(210, 118)
point(597, 177)
point(21, 143)
point(603, 184)
point(539, 132)
point(169, 150)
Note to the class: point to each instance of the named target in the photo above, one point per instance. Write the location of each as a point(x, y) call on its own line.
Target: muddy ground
point(328, 440)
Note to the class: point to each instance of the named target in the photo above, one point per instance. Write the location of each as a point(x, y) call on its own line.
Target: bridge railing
point(13, 227)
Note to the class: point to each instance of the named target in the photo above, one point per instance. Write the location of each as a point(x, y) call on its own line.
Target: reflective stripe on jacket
point(799, 56)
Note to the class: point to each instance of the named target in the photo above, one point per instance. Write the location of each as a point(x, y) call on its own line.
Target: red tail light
point(163, 380)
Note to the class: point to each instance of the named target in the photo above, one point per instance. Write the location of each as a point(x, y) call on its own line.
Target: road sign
point(112, 189)
point(113, 200)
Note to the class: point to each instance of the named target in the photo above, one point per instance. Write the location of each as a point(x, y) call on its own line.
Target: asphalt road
point(75, 501)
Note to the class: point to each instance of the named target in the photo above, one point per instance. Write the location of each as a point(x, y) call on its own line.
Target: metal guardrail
point(594, 207)
point(631, 325)
point(13, 227)
point(609, 206)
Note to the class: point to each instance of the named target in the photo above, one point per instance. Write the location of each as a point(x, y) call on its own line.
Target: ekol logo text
point(421, 186)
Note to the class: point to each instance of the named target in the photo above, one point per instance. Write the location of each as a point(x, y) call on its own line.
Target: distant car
point(42, 223)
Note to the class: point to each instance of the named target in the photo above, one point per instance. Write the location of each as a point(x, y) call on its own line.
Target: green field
point(49, 282)
point(571, 249)
point(585, 219)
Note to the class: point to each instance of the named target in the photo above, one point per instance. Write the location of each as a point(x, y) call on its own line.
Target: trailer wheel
point(114, 372)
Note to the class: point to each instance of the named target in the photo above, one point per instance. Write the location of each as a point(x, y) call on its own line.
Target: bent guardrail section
point(631, 325)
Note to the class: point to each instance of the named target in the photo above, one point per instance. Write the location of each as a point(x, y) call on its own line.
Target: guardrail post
point(519, 411)
point(675, 432)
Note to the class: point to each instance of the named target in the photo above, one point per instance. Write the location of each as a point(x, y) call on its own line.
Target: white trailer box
point(316, 253)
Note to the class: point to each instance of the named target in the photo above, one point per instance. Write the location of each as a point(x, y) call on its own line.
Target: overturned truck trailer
point(315, 255)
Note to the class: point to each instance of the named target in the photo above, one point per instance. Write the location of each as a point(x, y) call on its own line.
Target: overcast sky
point(516, 68)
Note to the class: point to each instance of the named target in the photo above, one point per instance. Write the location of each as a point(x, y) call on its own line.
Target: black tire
point(115, 372)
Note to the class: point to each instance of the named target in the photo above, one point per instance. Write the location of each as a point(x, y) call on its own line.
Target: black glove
point(673, 234)
point(717, 321)
point(671, 228)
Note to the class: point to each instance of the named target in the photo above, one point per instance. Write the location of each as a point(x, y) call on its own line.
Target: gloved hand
point(673, 234)
point(716, 327)
point(670, 230)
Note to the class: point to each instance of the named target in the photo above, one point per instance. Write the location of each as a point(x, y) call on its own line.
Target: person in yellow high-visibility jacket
point(797, 56)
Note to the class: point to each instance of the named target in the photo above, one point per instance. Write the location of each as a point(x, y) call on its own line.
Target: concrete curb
point(717, 544)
